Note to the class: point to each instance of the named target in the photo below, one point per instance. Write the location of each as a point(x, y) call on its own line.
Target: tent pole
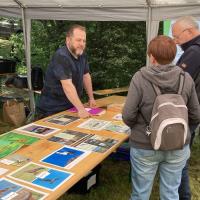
point(148, 28)
point(26, 31)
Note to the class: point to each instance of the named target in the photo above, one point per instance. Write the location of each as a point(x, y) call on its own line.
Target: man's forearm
point(87, 81)
point(70, 92)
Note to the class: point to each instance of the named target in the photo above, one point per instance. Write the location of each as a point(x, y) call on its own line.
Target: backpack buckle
point(148, 130)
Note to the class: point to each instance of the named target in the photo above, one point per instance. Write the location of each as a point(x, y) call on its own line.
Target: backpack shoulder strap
point(156, 89)
point(181, 82)
point(180, 88)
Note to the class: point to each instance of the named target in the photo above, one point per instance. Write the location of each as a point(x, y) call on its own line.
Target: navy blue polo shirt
point(63, 66)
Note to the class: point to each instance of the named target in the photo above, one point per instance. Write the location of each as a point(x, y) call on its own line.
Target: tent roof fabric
point(95, 3)
point(100, 10)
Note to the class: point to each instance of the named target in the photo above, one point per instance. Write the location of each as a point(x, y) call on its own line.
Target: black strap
point(146, 122)
point(181, 83)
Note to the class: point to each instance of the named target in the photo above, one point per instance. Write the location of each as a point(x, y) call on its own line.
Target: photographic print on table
point(94, 124)
point(62, 119)
point(69, 137)
point(3, 171)
point(41, 176)
point(11, 142)
point(117, 128)
point(97, 143)
point(65, 157)
point(9, 190)
point(16, 160)
point(39, 130)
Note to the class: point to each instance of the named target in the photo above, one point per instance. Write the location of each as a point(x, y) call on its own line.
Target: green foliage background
point(115, 50)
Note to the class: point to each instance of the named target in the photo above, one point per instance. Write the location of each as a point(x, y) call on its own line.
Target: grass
point(114, 179)
point(195, 169)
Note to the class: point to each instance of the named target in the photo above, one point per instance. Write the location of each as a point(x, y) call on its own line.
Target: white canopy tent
point(151, 11)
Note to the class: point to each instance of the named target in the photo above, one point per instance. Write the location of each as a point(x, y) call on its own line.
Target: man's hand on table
point(83, 113)
point(92, 103)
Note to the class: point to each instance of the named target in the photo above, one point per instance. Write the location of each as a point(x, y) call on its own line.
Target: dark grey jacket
point(190, 61)
point(141, 98)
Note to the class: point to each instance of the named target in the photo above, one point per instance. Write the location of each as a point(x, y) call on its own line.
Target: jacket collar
point(193, 41)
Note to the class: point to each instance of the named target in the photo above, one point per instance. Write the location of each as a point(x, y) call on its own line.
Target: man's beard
point(74, 51)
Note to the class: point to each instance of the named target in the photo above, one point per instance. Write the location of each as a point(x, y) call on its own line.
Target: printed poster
point(38, 130)
point(41, 176)
point(68, 137)
point(16, 160)
point(97, 143)
point(3, 171)
point(61, 119)
point(66, 157)
point(117, 128)
point(10, 190)
point(11, 142)
point(94, 124)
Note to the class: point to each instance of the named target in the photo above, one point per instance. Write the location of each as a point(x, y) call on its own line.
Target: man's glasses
point(176, 37)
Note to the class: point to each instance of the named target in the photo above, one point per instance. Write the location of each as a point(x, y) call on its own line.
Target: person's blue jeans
point(184, 188)
point(144, 165)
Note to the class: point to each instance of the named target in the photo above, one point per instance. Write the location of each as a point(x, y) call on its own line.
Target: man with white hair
point(186, 34)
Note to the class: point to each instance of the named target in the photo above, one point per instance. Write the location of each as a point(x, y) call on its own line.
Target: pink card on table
point(92, 111)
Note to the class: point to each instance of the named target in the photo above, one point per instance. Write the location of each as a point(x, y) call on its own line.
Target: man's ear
point(67, 40)
point(152, 59)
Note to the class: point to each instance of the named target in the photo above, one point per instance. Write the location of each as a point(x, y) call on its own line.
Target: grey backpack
point(169, 120)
